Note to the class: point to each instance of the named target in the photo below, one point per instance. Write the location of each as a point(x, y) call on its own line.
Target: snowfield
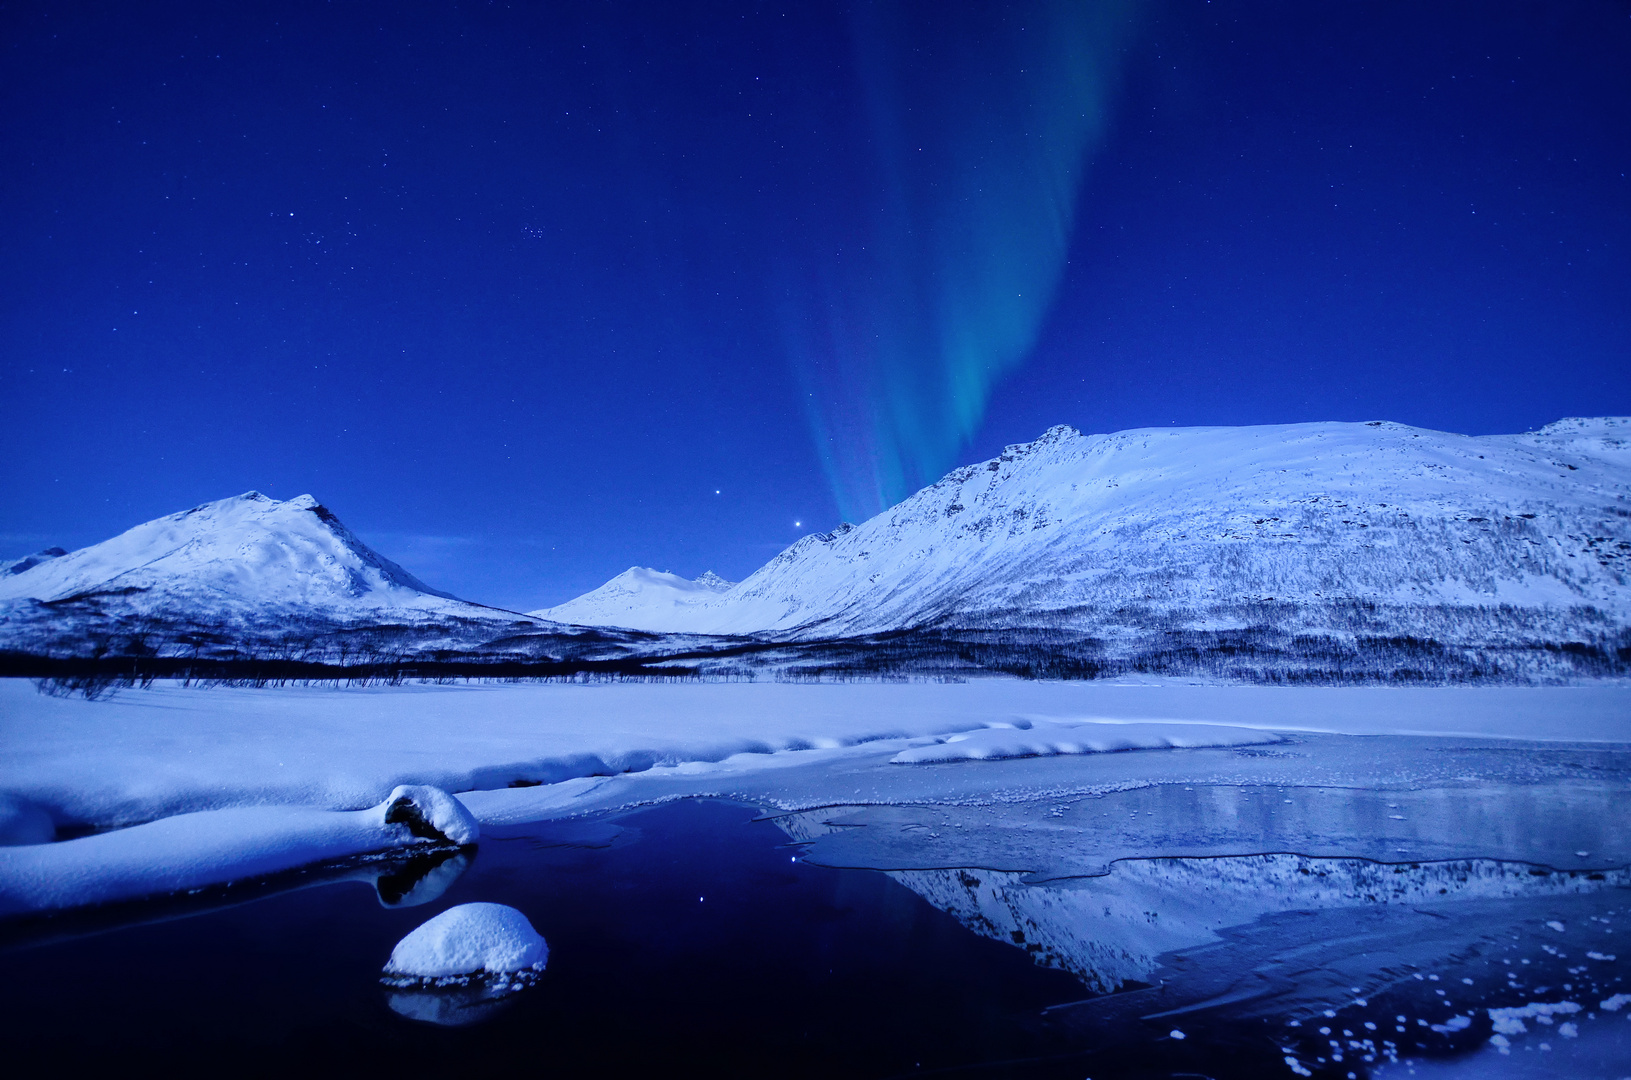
point(189, 851)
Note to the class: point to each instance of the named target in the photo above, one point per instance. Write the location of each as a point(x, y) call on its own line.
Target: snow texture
point(641, 598)
point(470, 939)
point(1188, 525)
point(210, 847)
point(1042, 739)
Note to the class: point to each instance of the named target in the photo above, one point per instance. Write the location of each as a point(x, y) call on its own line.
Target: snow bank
point(212, 847)
point(1087, 737)
point(468, 940)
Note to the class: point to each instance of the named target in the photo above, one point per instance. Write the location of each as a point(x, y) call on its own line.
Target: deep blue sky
point(517, 289)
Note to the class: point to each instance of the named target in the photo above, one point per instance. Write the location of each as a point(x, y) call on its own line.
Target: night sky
point(532, 293)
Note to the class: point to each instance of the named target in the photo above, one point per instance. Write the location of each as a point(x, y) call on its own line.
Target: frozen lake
point(1000, 879)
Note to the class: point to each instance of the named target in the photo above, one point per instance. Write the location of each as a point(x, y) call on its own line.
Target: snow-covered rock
point(640, 598)
point(468, 940)
point(1200, 527)
point(431, 813)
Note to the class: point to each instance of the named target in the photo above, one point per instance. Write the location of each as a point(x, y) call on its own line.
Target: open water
point(691, 939)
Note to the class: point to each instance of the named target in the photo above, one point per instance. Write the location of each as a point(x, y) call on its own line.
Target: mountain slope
point(1300, 525)
point(640, 597)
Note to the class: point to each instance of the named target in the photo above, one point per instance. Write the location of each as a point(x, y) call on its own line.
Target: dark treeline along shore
point(1473, 646)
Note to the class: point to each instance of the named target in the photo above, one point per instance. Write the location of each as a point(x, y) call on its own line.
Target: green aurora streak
point(982, 120)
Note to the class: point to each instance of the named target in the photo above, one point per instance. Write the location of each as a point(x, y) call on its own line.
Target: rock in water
point(431, 813)
point(486, 941)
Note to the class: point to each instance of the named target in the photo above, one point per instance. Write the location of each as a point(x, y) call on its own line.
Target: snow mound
point(640, 598)
point(468, 941)
point(1044, 739)
point(431, 814)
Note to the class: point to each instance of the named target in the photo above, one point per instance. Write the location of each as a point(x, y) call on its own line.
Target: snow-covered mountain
point(1203, 528)
point(246, 578)
point(640, 597)
point(250, 554)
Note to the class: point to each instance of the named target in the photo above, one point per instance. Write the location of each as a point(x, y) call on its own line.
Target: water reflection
point(398, 879)
point(1344, 959)
point(422, 878)
point(451, 1006)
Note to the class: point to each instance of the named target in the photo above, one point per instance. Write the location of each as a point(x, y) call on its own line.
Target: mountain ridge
point(1068, 529)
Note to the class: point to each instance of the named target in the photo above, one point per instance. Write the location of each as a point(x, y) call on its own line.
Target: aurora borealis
point(981, 122)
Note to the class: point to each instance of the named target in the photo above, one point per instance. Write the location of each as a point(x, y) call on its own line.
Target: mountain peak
point(640, 598)
point(711, 580)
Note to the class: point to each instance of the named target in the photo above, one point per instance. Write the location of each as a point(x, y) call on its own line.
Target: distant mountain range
point(641, 598)
point(1329, 551)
